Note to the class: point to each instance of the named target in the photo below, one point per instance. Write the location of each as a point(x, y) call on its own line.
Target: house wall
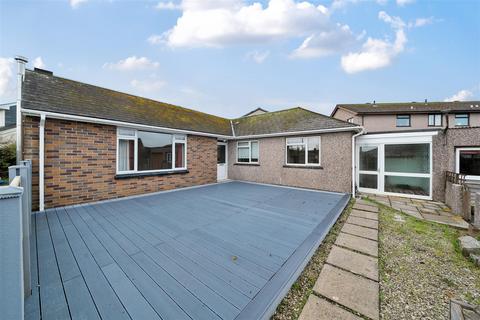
point(80, 164)
point(444, 158)
point(336, 163)
point(344, 115)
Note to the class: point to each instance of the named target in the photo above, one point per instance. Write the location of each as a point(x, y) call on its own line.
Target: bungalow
point(89, 143)
point(408, 147)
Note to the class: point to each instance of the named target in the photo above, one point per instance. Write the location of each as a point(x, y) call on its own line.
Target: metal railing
point(15, 229)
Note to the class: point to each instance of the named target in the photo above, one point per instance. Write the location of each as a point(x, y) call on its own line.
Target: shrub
point(7, 158)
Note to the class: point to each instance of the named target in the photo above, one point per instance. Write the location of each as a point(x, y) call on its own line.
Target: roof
point(42, 91)
point(411, 107)
point(255, 112)
point(284, 121)
point(45, 92)
point(7, 106)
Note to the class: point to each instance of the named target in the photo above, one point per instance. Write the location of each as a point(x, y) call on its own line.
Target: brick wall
point(80, 162)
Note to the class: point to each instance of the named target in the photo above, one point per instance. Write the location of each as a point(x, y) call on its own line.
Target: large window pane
point(313, 150)
point(368, 181)
point(368, 158)
point(296, 154)
point(243, 154)
point(470, 162)
point(179, 155)
point(254, 146)
point(407, 158)
point(403, 121)
point(154, 151)
point(461, 120)
point(408, 185)
point(125, 155)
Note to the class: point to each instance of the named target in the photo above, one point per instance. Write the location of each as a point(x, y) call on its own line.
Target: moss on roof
point(288, 120)
point(54, 94)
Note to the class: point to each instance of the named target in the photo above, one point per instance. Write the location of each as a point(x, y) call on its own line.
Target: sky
point(228, 57)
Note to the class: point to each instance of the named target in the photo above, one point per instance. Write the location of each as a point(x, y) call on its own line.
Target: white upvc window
point(248, 152)
point(468, 162)
point(144, 151)
point(303, 151)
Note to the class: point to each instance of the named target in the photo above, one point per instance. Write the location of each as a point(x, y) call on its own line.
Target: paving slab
point(369, 223)
point(320, 309)
point(429, 211)
point(360, 231)
point(453, 221)
point(365, 207)
point(352, 291)
point(364, 214)
point(357, 243)
point(413, 213)
point(354, 262)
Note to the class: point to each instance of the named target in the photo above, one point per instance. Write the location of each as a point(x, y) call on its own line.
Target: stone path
point(422, 209)
point(347, 288)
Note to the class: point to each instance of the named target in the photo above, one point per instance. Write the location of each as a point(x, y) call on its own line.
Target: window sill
point(302, 167)
point(148, 174)
point(247, 164)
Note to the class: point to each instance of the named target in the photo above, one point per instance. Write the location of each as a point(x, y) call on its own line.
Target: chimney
point(21, 62)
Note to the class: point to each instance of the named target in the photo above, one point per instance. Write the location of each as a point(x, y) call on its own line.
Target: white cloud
point(156, 39)
point(76, 3)
point(375, 54)
point(258, 56)
point(394, 22)
point(420, 22)
point(149, 85)
point(461, 95)
point(132, 63)
point(402, 3)
point(167, 6)
point(217, 23)
point(38, 63)
point(7, 83)
point(326, 43)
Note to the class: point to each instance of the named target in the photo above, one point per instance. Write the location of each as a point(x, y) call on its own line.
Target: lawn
point(422, 268)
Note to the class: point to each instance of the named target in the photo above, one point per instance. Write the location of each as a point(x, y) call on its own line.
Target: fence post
point(11, 255)
point(23, 172)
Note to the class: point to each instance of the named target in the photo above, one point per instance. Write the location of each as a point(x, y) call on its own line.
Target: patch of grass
point(422, 268)
point(292, 305)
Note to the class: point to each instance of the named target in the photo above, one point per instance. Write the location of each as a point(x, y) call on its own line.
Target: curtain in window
point(123, 159)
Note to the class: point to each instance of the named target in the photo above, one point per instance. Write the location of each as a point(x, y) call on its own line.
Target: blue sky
point(228, 57)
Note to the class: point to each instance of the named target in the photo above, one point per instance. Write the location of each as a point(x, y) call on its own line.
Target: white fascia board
point(296, 133)
point(403, 137)
point(62, 116)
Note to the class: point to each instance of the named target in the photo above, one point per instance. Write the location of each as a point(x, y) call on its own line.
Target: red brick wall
point(80, 162)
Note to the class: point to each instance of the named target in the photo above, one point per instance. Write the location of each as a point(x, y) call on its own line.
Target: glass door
point(368, 168)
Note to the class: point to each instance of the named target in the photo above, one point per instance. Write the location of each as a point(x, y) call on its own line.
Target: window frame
point(176, 138)
point(305, 144)
point(457, 161)
point(403, 116)
point(435, 115)
point(462, 114)
point(249, 152)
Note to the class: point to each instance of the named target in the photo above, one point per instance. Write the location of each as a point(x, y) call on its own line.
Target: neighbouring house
point(407, 147)
point(89, 143)
point(8, 123)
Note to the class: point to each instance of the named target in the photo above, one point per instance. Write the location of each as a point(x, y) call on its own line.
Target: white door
point(368, 164)
point(222, 165)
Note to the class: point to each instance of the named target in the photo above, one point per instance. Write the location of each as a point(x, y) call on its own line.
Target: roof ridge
point(329, 117)
point(125, 93)
point(267, 113)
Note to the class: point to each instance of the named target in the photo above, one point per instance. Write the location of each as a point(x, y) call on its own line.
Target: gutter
point(21, 62)
point(362, 131)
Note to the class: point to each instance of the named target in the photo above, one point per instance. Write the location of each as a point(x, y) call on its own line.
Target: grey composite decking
point(223, 251)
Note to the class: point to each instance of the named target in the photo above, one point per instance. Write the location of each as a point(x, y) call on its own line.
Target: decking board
point(225, 251)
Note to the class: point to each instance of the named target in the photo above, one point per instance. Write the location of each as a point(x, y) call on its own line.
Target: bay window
point(144, 151)
point(247, 152)
point(303, 151)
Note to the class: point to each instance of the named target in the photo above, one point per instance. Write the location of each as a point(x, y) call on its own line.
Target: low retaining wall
point(458, 199)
